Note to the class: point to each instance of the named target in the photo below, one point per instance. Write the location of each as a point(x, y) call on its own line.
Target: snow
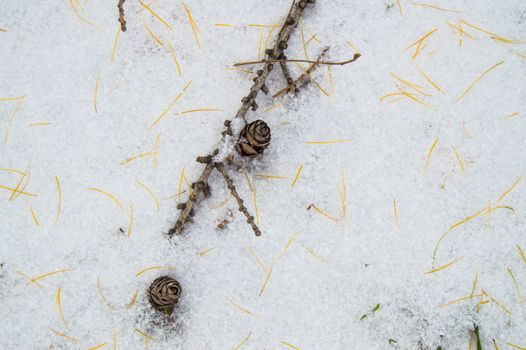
point(333, 272)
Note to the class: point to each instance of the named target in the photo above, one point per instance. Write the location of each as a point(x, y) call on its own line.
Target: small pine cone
point(164, 293)
point(257, 135)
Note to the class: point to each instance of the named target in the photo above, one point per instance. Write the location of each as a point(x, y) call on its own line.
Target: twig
point(328, 63)
point(247, 102)
point(302, 78)
point(230, 184)
point(283, 65)
point(121, 15)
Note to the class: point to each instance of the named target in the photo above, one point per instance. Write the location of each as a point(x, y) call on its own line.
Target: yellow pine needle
point(303, 43)
point(173, 196)
point(289, 345)
point(59, 306)
point(463, 221)
point(470, 341)
point(263, 25)
point(331, 80)
point(99, 288)
point(175, 58)
point(323, 213)
point(180, 185)
point(34, 280)
point(201, 110)
point(133, 158)
point(312, 252)
point(155, 153)
point(63, 335)
point(429, 154)
point(353, 46)
point(241, 70)
point(273, 27)
point(152, 34)
point(145, 335)
point(277, 105)
point(395, 210)
point(109, 195)
point(319, 87)
point(509, 189)
point(496, 302)
point(313, 37)
point(240, 345)
point(245, 310)
point(458, 159)
point(223, 25)
point(16, 171)
point(492, 35)
point(192, 24)
point(260, 44)
point(95, 94)
point(255, 206)
point(27, 278)
point(519, 298)
point(148, 8)
point(153, 268)
point(114, 50)
point(343, 197)
point(400, 7)
point(133, 300)
point(258, 261)
point(3, 30)
point(412, 97)
point(100, 345)
point(131, 222)
point(474, 284)
point(512, 115)
point(289, 243)
point(267, 278)
point(495, 344)
point(413, 86)
point(521, 253)
point(298, 173)
point(435, 7)
point(206, 251)
point(419, 41)
point(115, 335)
point(515, 346)
point(143, 186)
point(521, 55)
point(170, 106)
point(430, 81)
point(12, 98)
point(18, 186)
point(270, 177)
point(479, 77)
point(74, 9)
point(33, 215)
point(19, 192)
point(10, 120)
point(460, 299)
point(443, 267)
point(391, 95)
point(329, 142)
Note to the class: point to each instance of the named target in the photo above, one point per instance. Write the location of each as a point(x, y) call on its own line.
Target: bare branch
point(121, 15)
point(247, 102)
point(328, 63)
point(230, 184)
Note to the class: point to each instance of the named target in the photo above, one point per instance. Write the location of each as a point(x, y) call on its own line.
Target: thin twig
point(293, 86)
point(121, 15)
point(328, 63)
point(230, 184)
point(247, 102)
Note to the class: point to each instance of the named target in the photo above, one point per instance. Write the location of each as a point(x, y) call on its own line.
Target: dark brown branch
point(247, 102)
point(230, 184)
point(328, 63)
point(293, 86)
point(121, 15)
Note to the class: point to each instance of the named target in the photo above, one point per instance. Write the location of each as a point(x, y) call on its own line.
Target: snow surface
point(332, 273)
